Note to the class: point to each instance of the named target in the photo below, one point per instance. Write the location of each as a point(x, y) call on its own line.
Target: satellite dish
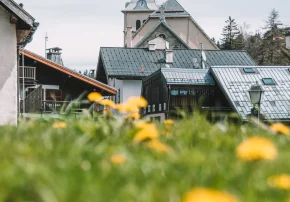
point(203, 55)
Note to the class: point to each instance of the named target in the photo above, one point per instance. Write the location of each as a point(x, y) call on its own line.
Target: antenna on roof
point(46, 40)
point(203, 55)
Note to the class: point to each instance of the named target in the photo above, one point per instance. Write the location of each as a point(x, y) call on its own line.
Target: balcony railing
point(27, 73)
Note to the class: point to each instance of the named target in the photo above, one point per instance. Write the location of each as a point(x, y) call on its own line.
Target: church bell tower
point(136, 13)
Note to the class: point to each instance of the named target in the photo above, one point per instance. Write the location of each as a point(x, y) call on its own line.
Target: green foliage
point(232, 38)
point(43, 164)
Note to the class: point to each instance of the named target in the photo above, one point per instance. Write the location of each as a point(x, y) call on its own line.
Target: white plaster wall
point(131, 88)
point(288, 42)
point(8, 70)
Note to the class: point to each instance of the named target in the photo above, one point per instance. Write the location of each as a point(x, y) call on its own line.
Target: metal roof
point(128, 62)
point(172, 9)
point(235, 84)
point(149, 5)
point(187, 76)
point(160, 23)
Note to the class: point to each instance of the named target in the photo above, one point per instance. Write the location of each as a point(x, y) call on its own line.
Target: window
point(249, 70)
point(269, 81)
point(162, 36)
point(165, 106)
point(160, 107)
point(149, 109)
point(138, 24)
point(174, 92)
point(192, 92)
point(183, 92)
point(153, 108)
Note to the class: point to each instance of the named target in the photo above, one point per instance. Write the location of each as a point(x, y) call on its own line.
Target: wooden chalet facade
point(49, 86)
point(169, 89)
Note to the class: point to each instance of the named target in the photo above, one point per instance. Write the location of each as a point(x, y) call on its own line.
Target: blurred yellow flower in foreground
point(280, 128)
point(280, 181)
point(256, 148)
point(95, 97)
point(148, 131)
point(158, 146)
point(139, 102)
point(59, 125)
point(208, 195)
point(118, 159)
point(108, 103)
point(168, 122)
point(135, 116)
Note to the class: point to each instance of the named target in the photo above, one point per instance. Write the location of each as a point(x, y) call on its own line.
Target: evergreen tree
point(272, 43)
point(231, 36)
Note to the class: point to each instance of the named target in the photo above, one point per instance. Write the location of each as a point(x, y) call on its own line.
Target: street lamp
point(256, 93)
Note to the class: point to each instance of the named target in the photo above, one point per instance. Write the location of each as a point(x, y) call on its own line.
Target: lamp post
point(256, 93)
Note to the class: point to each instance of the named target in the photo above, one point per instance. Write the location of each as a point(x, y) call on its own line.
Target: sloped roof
point(172, 9)
point(235, 84)
point(177, 76)
point(100, 85)
point(149, 5)
point(128, 62)
point(160, 23)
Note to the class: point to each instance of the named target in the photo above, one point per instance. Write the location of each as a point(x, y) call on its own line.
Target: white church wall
point(8, 70)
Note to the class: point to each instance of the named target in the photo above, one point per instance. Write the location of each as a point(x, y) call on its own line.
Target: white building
point(16, 29)
point(146, 25)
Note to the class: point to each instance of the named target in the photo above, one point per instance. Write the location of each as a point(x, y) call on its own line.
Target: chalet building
point(125, 68)
point(218, 89)
point(286, 50)
point(144, 21)
point(186, 89)
point(47, 85)
point(16, 30)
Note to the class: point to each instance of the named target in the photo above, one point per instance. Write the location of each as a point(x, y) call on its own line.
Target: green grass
point(42, 164)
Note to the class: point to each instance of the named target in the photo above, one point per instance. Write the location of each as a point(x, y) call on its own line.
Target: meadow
point(117, 159)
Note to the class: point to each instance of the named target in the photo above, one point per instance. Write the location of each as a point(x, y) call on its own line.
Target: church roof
point(161, 23)
point(172, 9)
point(141, 5)
point(128, 62)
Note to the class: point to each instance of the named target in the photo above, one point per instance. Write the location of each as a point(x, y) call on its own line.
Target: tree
point(273, 42)
point(232, 38)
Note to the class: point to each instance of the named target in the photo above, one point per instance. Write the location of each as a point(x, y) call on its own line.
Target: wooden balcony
point(27, 74)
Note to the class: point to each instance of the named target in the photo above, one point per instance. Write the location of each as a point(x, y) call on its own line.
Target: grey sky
point(80, 28)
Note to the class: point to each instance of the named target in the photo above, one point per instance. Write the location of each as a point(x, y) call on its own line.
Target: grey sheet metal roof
point(235, 84)
point(187, 76)
point(172, 9)
point(133, 6)
point(128, 62)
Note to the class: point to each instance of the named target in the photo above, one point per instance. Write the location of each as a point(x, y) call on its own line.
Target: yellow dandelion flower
point(135, 116)
point(118, 159)
point(208, 195)
point(95, 97)
point(108, 103)
point(280, 181)
point(139, 102)
point(256, 148)
point(280, 128)
point(149, 131)
point(59, 125)
point(158, 146)
point(168, 122)
point(141, 124)
point(120, 107)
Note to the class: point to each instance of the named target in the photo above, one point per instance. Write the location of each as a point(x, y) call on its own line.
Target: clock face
point(142, 3)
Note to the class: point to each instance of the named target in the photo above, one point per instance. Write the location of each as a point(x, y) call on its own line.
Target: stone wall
point(8, 70)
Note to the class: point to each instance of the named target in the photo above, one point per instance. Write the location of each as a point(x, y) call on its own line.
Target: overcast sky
point(80, 28)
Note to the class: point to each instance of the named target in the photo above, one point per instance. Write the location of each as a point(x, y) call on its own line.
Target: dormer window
point(138, 24)
point(269, 81)
point(249, 70)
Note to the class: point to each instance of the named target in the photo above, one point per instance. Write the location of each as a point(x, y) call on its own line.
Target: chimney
point(54, 54)
point(129, 37)
point(169, 56)
point(151, 46)
point(288, 40)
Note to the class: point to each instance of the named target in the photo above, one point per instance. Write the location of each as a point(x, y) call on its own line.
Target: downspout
point(23, 82)
point(168, 103)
